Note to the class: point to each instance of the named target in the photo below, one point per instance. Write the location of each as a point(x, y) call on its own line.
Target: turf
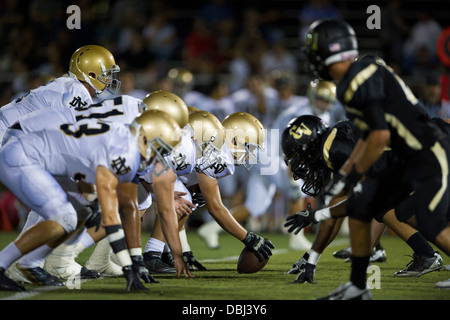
point(222, 282)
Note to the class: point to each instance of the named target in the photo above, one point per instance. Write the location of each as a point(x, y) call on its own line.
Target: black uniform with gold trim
point(375, 98)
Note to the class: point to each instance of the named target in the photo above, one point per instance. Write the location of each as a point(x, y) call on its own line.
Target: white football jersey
point(219, 170)
point(62, 92)
point(120, 109)
point(181, 159)
point(76, 150)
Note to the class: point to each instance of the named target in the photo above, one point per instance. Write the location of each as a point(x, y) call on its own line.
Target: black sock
point(359, 271)
point(378, 246)
point(420, 245)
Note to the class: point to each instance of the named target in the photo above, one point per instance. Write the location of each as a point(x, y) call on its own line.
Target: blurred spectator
point(200, 48)
point(128, 85)
point(160, 35)
point(314, 10)
point(136, 57)
point(393, 32)
point(424, 33)
point(429, 93)
point(278, 57)
point(258, 99)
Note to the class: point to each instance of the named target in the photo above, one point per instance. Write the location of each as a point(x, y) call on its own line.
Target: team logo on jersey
point(78, 104)
point(180, 162)
point(119, 166)
point(219, 167)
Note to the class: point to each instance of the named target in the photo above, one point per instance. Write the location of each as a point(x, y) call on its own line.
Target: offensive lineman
point(385, 110)
point(104, 154)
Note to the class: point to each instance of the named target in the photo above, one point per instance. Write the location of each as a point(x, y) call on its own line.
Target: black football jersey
point(337, 145)
point(376, 98)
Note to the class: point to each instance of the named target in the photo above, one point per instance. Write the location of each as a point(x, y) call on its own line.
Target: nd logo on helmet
point(298, 131)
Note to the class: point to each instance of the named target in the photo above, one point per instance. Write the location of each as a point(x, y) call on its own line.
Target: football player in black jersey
point(314, 152)
point(383, 107)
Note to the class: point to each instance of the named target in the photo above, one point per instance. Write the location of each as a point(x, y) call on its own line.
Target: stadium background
point(207, 38)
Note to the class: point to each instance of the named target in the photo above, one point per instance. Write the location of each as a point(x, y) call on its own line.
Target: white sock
point(313, 257)
point(36, 257)
point(8, 255)
point(184, 242)
point(154, 245)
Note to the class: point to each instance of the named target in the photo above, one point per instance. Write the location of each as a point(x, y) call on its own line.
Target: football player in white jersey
point(120, 109)
point(100, 153)
point(92, 70)
point(61, 262)
point(218, 161)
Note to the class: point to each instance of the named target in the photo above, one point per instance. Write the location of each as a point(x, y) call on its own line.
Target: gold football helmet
point(244, 136)
point(157, 133)
point(168, 102)
point(192, 109)
point(209, 137)
point(182, 80)
point(321, 95)
point(96, 66)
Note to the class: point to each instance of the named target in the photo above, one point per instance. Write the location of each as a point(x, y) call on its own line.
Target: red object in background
point(443, 51)
point(9, 216)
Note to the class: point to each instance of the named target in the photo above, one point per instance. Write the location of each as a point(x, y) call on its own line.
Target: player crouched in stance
point(106, 154)
point(314, 151)
point(381, 105)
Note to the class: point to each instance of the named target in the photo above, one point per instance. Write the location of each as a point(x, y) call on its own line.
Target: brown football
point(248, 262)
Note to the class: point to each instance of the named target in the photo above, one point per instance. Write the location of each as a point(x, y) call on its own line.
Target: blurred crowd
point(219, 55)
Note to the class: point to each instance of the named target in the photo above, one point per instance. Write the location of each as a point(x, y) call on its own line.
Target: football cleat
point(421, 265)
point(154, 264)
point(38, 276)
point(7, 284)
point(348, 291)
point(343, 253)
point(378, 255)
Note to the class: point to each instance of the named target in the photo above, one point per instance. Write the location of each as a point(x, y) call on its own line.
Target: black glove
point(262, 248)
point(198, 200)
point(190, 260)
point(131, 273)
point(300, 220)
point(306, 274)
point(94, 218)
point(138, 262)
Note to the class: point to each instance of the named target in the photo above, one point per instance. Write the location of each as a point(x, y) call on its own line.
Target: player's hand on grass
point(138, 262)
point(261, 247)
point(181, 267)
point(306, 274)
point(131, 273)
point(190, 259)
point(300, 220)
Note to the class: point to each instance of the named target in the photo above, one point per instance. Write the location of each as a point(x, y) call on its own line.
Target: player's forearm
point(375, 144)
point(224, 218)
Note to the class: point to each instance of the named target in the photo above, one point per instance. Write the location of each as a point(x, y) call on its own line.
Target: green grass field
point(222, 282)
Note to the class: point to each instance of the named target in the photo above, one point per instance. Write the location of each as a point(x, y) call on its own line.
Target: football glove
point(131, 273)
point(306, 274)
point(300, 220)
point(190, 260)
point(262, 248)
point(138, 262)
point(94, 218)
point(198, 200)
